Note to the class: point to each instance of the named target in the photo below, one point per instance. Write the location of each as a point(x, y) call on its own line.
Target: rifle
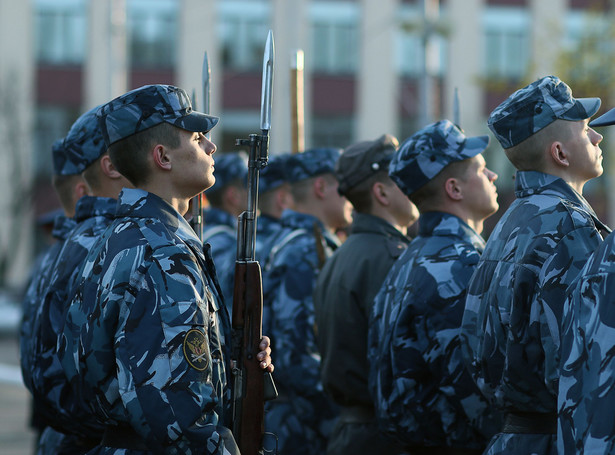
point(197, 201)
point(252, 386)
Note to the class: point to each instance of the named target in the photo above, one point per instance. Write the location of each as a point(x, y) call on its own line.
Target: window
point(152, 28)
point(243, 29)
point(335, 37)
point(60, 31)
point(507, 42)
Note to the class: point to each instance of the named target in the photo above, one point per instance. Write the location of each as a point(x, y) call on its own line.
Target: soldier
point(145, 344)
point(274, 197)
point(423, 394)
point(87, 151)
point(346, 287)
point(301, 416)
point(515, 298)
point(70, 187)
point(585, 401)
point(227, 199)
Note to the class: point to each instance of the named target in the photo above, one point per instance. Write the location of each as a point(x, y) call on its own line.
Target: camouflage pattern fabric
point(302, 416)
point(273, 175)
point(148, 106)
point(586, 397)
point(267, 229)
point(510, 332)
point(82, 145)
point(145, 343)
point(220, 231)
point(50, 387)
point(536, 106)
point(39, 281)
point(424, 396)
point(312, 162)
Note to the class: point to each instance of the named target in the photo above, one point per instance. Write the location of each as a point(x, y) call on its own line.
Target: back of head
point(526, 119)
point(133, 121)
point(312, 163)
point(231, 169)
point(361, 165)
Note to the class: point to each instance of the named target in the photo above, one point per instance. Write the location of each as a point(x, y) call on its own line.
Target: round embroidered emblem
point(196, 351)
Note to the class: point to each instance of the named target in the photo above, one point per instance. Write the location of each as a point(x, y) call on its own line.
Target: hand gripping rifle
point(252, 386)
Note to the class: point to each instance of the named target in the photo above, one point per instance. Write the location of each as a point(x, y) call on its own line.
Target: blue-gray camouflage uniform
point(220, 227)
point(422, 393)
point(585, 396)
point(511, 325)
point(302, 415)
point(145, 344)
point(271, 178)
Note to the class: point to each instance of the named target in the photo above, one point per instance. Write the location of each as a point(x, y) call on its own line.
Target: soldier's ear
point(559, 155)
point(380, 193)
point(162, 158)
point(453, 189)
point(108, 168)
point(320, 187)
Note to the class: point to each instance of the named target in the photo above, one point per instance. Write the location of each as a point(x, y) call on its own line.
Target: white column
point(16, 126)
point(464, 65)
point(106, 66)
point(197, 35)
point(377, 80)
point(290, 32)
point(548, 18)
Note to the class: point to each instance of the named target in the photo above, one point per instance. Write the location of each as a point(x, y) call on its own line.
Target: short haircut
point(529, 154)
point(130, 155)
point(64, 186)
point(301, 189)
point(92, 176)
point(431, 194)
point(360, 196)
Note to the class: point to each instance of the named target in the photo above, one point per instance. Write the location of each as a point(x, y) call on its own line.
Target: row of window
point(61, 27)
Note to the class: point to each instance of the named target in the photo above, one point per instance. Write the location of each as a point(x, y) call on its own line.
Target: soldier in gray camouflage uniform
point(511, 325)
point(346, 287)
point(70, 187)
point(302, 415)
point(145, 342)
point(423, 395)
point(227, 199)
point(87, 150)
point(586, 399)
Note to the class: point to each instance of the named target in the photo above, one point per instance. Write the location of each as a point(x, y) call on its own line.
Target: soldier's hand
point(264, 356)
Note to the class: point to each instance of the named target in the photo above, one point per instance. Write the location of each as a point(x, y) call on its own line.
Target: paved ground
point(16, 438)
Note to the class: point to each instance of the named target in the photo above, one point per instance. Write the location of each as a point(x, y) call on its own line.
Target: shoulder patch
point(196, 350)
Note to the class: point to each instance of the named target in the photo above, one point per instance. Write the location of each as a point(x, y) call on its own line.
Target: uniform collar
point(447, 225)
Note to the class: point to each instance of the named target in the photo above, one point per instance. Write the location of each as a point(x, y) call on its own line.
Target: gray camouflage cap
point(606, 119)
point(311, 163)
point(83, 145)
point(363, 159)
point(273, 175)
point(228, 167)
point(536, 106)
point(149, 106)
point(424, 154)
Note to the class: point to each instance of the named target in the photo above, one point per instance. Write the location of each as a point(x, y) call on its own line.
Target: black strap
point(530, 423)
point(123, 437)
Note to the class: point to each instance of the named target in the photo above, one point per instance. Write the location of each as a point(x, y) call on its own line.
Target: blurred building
point(371, 66)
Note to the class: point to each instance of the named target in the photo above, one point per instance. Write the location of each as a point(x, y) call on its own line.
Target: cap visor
point(606, 119)
point(582, 109)
point(196, 122)
point(475, 145)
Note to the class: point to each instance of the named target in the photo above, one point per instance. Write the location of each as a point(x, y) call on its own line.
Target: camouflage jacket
point(423, 394)
point(92, 216)
point(145, 343)
point(587, 381)
point(39, 281)
point(267, 227)
point(511, 324)
point(220, 231)
point(288, 319)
